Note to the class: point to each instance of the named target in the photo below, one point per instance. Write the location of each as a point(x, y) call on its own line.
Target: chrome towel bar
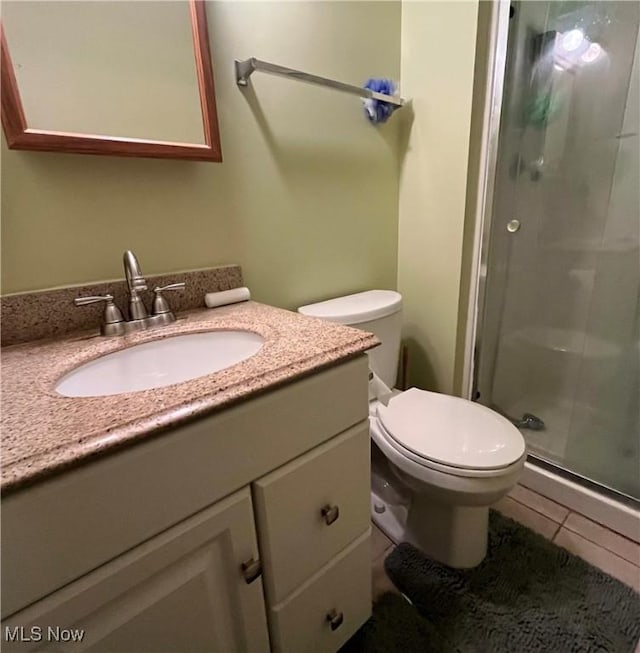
point(244, 70)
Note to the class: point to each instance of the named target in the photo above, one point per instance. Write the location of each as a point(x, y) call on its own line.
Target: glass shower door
point(559, 341)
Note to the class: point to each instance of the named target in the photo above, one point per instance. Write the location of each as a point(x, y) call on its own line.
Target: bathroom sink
point(160, 363)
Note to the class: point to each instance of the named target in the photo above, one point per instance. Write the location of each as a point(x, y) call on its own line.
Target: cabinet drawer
point(296, 539)
point(342, 589)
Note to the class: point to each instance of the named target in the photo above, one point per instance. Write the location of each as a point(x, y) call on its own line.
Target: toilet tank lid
point(357, 308)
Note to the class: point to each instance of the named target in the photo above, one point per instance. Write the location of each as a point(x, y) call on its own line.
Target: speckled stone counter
point(45, 433)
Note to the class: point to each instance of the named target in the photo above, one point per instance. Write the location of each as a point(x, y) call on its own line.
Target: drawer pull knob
point(251, 570)
point(330, 514)
point(335, 619)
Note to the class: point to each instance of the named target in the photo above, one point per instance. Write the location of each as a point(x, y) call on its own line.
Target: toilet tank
point(376, 311)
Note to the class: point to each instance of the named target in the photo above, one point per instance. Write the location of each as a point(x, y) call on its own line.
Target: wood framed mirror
point(136, 79)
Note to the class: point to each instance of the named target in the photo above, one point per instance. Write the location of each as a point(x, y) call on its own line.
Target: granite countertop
point(45, 433)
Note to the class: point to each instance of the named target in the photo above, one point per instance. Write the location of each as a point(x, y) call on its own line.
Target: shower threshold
point(584, 481)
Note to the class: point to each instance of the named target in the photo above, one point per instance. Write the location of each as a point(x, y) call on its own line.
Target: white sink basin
point(160, 363)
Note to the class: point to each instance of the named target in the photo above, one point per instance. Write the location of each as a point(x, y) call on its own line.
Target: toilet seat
point(474, 440)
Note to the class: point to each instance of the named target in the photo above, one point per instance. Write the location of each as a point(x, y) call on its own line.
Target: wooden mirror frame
point(21, 137)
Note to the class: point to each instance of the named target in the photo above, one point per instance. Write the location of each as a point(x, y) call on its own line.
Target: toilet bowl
point(457, 458)
point(452, 457)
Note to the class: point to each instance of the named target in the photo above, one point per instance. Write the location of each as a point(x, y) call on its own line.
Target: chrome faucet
point(113, 323)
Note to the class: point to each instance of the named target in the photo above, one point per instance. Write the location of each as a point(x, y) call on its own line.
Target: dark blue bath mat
point(528, 595)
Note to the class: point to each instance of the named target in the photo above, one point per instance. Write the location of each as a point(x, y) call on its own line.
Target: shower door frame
point(487, 169)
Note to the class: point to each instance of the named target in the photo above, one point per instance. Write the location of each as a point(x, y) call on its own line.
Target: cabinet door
point(181, 591)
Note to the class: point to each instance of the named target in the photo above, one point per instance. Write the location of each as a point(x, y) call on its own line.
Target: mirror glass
point(79, 66)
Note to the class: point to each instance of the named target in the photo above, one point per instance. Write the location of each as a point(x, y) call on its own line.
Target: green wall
point(438, 54)
point(306, 199)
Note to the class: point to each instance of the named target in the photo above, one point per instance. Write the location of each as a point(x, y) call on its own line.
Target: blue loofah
point(378, 111)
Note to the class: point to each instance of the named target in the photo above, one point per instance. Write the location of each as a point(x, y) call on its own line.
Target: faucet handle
point(92, 299)
point(172, 286)
point(112, 314)
point(160, 304)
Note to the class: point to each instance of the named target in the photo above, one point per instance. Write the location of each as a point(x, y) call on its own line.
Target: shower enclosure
point(558, 344)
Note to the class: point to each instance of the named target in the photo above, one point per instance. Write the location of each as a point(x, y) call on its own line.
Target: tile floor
point(614, 554)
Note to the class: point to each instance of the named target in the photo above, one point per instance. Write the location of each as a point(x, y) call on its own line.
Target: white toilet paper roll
point(225, 297)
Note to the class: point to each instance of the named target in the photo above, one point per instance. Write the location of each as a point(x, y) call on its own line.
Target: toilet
point(439, 461)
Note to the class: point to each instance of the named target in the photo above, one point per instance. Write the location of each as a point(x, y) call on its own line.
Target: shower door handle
point(513, 226)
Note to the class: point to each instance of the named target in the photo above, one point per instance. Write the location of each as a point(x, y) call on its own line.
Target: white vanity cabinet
point(247, 530)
